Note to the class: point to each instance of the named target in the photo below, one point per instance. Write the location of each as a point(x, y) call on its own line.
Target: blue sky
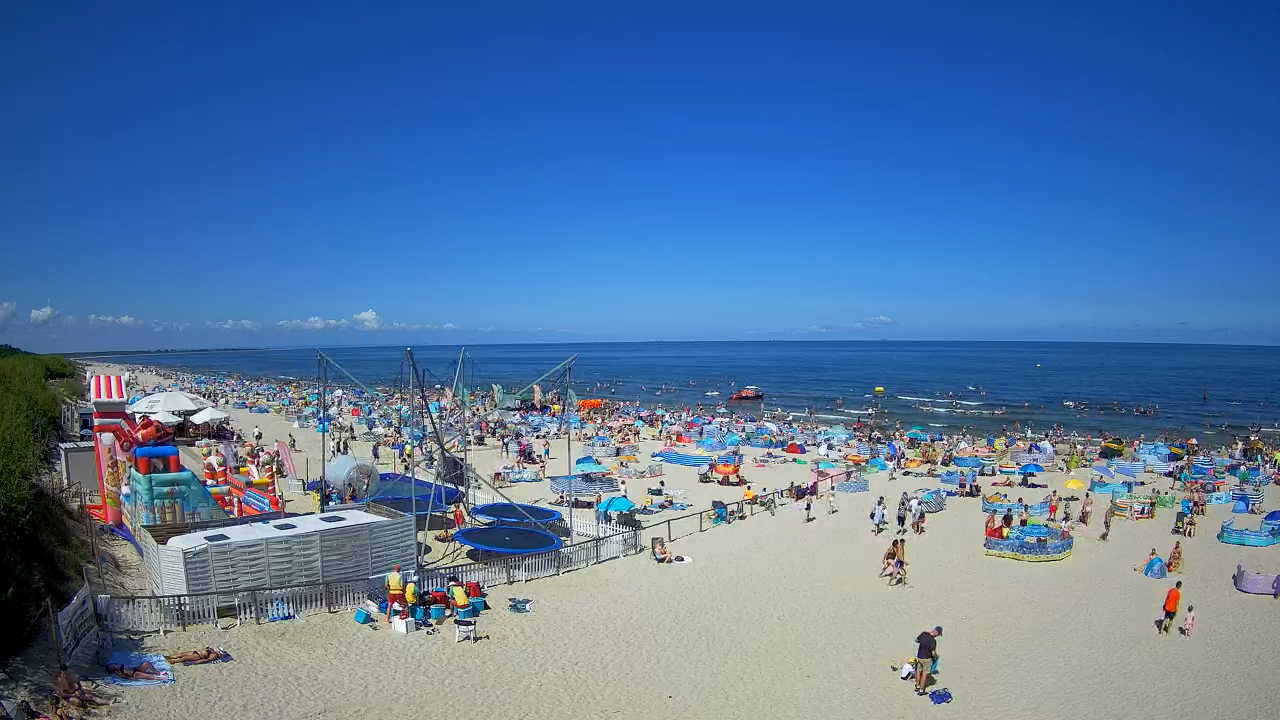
point(184, 175)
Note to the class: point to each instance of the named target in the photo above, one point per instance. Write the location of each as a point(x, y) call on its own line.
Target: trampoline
point(515, 513)
point(401, 492)
point(508, 540)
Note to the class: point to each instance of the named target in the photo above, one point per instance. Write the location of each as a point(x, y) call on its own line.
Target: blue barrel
point(436, 612)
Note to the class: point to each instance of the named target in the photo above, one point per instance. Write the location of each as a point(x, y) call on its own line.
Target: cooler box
point(478, 604)
point(362, 616)
point(403, 625)
point(436, 612)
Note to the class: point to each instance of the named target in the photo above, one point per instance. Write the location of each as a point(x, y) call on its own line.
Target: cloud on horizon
point(8, 310)
point(43, 315)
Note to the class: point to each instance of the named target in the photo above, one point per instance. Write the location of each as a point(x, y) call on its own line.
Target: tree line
point(41, 549)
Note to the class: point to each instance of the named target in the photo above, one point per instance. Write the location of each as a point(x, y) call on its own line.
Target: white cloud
point(877, 321)
point(7, 311)
point(167, 326)
point(233, 325)
point(314, 322)
point(43, 315)
point(367, 320)
point(126, 320)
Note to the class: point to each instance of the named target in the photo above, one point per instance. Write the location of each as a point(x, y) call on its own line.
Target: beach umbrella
point(171, 401)
point(208, 415)
point(1074, 484)
point(918, 435)
point(1030, 468)
point(616, 504)
point(165, 418)
point(1104, 471)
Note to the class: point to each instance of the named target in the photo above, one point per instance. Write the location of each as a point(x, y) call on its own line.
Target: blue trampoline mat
point(508, 540)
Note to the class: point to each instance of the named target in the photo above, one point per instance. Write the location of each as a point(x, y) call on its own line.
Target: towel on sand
point(134, 659)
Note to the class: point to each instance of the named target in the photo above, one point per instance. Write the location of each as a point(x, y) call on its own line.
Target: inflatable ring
point(855, 459)
point(913, 463)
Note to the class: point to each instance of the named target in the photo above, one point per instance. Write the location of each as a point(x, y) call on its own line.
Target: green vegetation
point(40, 547)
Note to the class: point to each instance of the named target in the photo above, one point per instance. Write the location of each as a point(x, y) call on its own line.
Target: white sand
point(778, 618)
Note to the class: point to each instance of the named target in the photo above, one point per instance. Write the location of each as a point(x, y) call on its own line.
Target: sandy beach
point(775, 616)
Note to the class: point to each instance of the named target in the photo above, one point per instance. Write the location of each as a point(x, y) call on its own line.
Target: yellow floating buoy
point(879, 389)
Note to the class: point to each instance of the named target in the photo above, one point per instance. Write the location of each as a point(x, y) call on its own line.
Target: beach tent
point(616, 504)
point(795, 449)
point(1155, 569)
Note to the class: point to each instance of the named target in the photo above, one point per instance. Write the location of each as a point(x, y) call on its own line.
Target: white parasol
point(208, 415)
point(172, 401)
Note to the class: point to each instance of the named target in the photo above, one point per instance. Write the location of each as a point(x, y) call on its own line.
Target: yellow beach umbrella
point(1075, 485)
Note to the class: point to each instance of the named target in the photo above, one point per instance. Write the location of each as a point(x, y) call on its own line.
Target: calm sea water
point(1197, 388)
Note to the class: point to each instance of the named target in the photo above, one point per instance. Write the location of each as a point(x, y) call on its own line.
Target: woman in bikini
point(1175, 558)
point(889, 556)
point(195, 657)
point(143, 671)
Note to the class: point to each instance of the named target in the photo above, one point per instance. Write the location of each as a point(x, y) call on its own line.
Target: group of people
point(407, 595)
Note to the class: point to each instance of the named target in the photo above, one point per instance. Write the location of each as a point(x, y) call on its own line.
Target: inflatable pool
point(1107, 488)
point(1256, 583)
point(995, 504)
point(1044, 543)
point(1265, 536)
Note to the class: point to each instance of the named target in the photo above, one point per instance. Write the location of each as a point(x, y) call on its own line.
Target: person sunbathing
point(67, 687)
point(142, 671)
point(195, 657)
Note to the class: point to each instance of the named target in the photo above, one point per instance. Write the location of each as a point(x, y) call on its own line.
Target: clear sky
point(213, 174)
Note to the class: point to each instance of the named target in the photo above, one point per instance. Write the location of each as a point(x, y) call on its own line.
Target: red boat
point(750, 392)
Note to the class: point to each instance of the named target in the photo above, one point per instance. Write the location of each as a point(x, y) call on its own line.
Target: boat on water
point(712, 393)
point(749, 392)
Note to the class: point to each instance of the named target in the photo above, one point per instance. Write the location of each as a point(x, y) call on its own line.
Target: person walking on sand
point(1170, 607)
point(902, 515)
point(1086, 509)
point(890, 556)
point(899, 573)
point(808, 508)
point(877, 516)
point(257, 435)
point(1189, 622)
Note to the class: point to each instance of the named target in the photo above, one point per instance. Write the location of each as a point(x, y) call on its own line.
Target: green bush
point(40, 548)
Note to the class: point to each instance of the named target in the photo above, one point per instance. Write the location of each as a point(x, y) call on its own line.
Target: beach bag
point(940, 696)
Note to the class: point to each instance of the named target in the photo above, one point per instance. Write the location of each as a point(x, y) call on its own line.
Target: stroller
point(1180, 524)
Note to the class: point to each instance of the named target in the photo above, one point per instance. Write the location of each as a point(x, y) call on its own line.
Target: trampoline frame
point(461, 537)
point(529, 517)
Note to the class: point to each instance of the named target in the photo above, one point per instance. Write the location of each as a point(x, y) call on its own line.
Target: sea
point(1154, 390)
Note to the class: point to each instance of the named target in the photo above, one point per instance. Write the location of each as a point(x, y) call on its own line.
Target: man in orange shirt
point(1171, 606)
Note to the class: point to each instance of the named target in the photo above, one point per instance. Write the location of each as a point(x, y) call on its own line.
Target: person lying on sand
point(142, 671)
point(195, 657)
point(67, 687)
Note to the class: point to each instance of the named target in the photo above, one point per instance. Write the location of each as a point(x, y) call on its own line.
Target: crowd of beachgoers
point(896, 473)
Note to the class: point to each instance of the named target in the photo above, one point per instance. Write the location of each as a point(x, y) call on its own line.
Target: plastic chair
point(464, 630)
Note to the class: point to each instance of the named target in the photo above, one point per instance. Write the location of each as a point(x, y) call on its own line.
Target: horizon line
point(103, 354)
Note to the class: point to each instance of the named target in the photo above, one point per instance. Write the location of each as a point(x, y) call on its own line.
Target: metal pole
point(568, 443)
point(324, 425)
point(413, 483)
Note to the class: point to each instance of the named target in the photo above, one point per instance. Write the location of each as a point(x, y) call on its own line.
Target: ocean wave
point(936, 399)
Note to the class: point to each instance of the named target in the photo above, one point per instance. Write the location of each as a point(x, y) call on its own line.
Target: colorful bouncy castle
point(140, 476)
point(241, 488)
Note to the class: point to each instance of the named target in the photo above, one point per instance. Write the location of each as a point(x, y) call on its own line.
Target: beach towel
point(519, 605)
point(681, 559)
point(133, 659)
point(940, 696)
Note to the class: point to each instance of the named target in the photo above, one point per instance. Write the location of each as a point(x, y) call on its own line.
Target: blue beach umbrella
point(1030, 468)
point(1104, 471)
